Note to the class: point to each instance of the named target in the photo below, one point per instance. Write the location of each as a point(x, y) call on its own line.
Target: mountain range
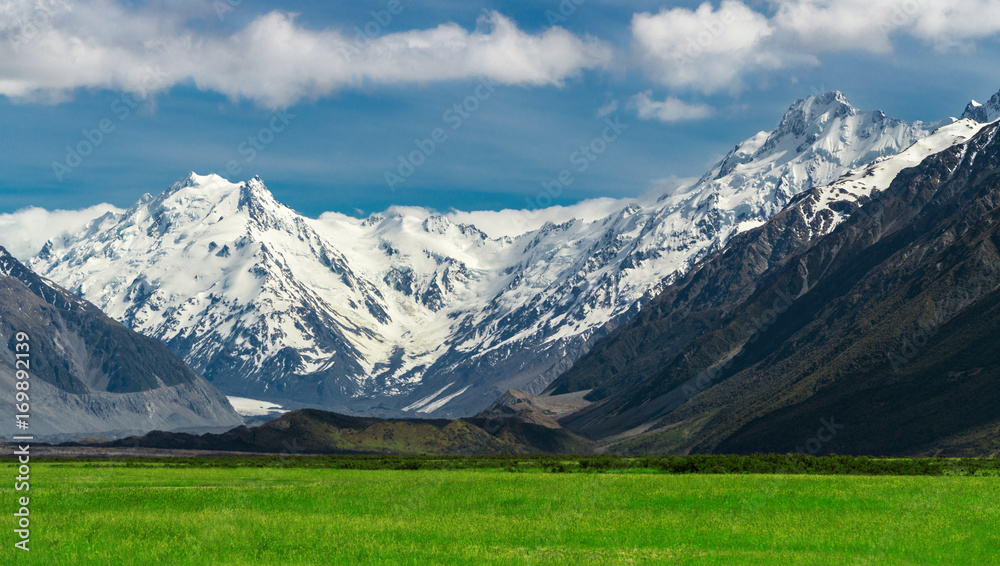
point(829, 286)
point(409, 313)
point(884, 325)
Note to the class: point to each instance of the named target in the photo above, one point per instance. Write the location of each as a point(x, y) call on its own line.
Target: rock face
point(90, 375)
point(408, 313)
point(879, 329)
point(520, 406)
point(983, 113)
point(714, 287)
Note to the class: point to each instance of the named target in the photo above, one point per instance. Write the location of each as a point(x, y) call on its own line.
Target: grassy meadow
point(85, 513)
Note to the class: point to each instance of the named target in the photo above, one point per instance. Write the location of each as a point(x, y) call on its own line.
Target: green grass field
point(167, 516)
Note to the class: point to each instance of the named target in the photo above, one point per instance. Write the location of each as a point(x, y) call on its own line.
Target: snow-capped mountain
point(576, 281)
point(714, 287)
point(889, 319)
point(89, 375)
point(262, 300)
point(983, 113)
point(410, 312)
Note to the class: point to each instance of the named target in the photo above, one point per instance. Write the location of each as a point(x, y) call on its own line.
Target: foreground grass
point(158, 515)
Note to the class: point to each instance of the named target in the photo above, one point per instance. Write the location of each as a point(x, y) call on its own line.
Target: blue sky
point(288, 92)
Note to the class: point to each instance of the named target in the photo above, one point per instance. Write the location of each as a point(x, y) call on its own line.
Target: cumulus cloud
point(23, 233)
point(48, 49)
point(706, 49)
point(870, 24)
point(669, 110)
point(833, 26)
point(712, 49)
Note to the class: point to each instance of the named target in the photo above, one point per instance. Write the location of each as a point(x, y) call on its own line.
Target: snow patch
point(253, 407)
point(441, 402)
point(427, 399)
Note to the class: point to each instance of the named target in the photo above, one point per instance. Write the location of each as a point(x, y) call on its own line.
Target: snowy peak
point(819, 139)
point(195, 180)
point(824, 125)
point(192, 196)
point(204, 201)
point(43, 288)
point(811, 119)
point(11, 267)
point(212, 189)
point(814, 110)
point(983, 113)
point(7, 262)
point(255, 190)
point(263, 209)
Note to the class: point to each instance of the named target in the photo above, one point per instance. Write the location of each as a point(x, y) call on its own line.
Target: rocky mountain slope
point(983, 113)
point(717, 285)
point(89, 374)
point(878, 337)
point(409, 313)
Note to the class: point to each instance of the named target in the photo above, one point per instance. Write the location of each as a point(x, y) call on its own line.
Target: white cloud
point(507, 222)
point(712, 50)
point(607, 109)
point(955, 24)
point(669, 110)
point(23, 233)
point(512, 223)
point(706, 49)
point(870, 24)
point(666, 186)
point(273, 60)
point(832, 26)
